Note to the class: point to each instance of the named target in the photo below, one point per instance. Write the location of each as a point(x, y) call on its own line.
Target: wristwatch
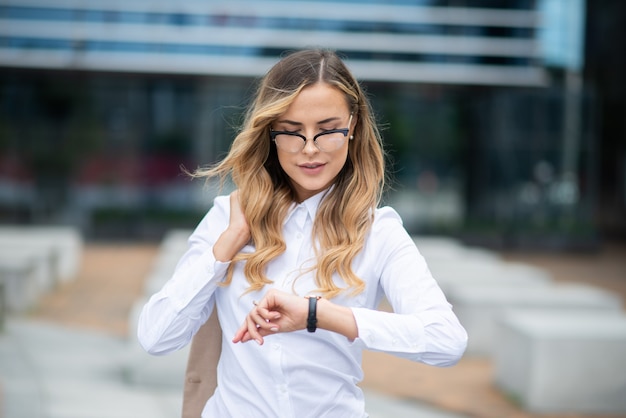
point(311, 321)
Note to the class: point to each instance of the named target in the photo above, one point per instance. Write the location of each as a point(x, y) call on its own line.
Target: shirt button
point(394, 341)
point(276, 346)
point(283, 388)
point(299, 235)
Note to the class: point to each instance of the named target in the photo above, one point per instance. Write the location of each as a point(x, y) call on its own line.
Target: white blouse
point(302, 374)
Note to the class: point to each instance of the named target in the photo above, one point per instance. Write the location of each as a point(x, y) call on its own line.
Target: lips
point(312, 168)
point(311, 165)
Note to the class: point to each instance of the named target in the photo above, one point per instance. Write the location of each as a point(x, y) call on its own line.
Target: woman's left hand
point(276, 312)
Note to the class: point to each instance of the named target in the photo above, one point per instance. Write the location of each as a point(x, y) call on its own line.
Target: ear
point(353, 120)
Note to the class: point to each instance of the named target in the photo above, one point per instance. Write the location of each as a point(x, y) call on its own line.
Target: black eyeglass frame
point(344, 131)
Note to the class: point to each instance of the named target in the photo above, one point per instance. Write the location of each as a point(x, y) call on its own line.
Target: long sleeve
point(172, 316)
point(423, 326)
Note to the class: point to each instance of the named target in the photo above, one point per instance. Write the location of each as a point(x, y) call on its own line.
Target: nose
point(310, 147)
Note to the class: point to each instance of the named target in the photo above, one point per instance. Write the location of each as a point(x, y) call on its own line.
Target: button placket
point(280, 382)
point(281, 387)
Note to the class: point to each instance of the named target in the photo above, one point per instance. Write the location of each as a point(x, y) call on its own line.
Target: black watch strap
point(311, 321)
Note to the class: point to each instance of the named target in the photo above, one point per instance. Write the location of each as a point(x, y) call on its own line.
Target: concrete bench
point(42, 258)
point(19, 282)
point(495, 273)
point(143, 369)
point(175, 239)
point(66, 242)
point(437, 246)
point(443, 249)
point(171, 250)
point(567, 362)
point(479, 307)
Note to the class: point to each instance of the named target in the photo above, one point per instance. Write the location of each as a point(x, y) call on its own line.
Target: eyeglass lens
point(325, 141)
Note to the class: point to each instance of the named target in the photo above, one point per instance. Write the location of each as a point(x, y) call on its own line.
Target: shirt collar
point(311, 205)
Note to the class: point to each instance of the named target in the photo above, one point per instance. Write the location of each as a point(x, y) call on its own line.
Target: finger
point(253, 330)
point(246, 337)
point(242, 335)
point(241, 332)
point(264, 315)
point(261, 327)
point(256, 327)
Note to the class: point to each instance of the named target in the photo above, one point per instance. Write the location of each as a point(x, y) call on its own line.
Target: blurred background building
point(504, 119)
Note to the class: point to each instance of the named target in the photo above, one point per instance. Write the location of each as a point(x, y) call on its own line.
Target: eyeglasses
point(325, 141)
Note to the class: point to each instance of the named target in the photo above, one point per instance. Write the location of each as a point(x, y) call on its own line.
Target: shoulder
point(221, 202)
point(387, 224)
point(212, 224)
point(388, 238)
point(387, 216)
point(220, 210)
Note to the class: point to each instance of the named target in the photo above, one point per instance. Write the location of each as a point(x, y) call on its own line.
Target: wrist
point(336, 318)
point(238, 233)
point(230, 243)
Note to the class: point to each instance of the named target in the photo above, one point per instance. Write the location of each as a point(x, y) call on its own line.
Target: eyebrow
point(291, 122)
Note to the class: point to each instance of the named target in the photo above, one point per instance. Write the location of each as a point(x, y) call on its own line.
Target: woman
point(299, 257)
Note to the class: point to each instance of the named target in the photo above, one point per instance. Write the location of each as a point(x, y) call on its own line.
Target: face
point(316, 109)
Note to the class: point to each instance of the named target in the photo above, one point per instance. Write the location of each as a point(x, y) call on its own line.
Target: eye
point(286, 130)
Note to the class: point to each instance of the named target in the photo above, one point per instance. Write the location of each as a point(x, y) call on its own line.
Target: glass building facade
point(102, 103)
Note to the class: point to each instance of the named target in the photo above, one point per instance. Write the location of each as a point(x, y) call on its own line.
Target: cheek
point(341, 162)
point(342, 156)
point(283, 160)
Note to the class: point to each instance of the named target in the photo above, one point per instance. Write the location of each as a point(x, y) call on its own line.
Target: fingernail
point(274, 329)
point(259, 341)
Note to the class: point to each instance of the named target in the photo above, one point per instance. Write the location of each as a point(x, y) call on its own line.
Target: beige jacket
point(201, 373)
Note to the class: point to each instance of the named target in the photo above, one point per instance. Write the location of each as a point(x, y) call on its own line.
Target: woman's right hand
point(236, 235)
point(276, 312)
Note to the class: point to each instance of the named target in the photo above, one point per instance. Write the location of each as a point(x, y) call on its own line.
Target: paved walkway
point(67, 359)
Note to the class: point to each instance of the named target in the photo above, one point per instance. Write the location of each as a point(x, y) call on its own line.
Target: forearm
point(433, 337)
point(162, 330)
point(336, 318)
point(230, 243)
point(172, 315)
point(236, 236)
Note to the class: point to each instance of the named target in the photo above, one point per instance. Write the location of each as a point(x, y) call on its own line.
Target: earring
point(351, 137)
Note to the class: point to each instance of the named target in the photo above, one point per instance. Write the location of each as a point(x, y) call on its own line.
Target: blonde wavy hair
point(345, 214)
